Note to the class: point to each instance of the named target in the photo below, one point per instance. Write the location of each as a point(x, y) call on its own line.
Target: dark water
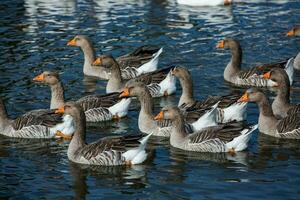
point(33, 37)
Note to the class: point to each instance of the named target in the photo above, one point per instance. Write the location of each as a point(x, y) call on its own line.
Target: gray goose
point(222, 138)
point(281, 105)
point(287, 127)
point(146, 121)
point(160, 82)
point(251, 77)
point(41, 123)
point(97, 108)
point(228, 108)
point(134, 59)
point(108, 151)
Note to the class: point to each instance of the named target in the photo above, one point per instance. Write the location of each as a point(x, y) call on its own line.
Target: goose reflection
point(272, 149)
point(134, 177)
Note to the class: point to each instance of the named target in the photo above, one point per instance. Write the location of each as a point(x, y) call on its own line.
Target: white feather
point(151, 65)
point(207, 120)
point(237, 111)
point(67, 127)
point(137, 155)
point(289, 68)
point(168, 84)
point(121, 108)
point(240, 143)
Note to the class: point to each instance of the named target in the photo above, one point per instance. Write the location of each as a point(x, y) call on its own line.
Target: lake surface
point(33, 37)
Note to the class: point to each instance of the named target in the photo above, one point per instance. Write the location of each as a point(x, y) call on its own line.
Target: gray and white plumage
point(287, 127)
point(253, 76)
point(41, 123)
point(108, 151)
point(222, 138)
point(134, 59)
point(98, 107)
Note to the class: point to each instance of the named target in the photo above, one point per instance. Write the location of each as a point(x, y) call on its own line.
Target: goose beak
point(221, 44)
point(72, 42)
point(60, 110)
point(159, 116)
point(244, 98)
point(124, 93)
point(39, 78)
point(290, 33)
point(97, 62)
point(267, 75)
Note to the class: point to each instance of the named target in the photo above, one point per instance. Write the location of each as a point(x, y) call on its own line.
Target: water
point(33, 38)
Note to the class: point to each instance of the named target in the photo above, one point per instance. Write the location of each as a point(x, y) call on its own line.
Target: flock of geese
point(213, 125)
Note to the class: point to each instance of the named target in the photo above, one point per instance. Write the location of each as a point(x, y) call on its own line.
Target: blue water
point(33, 37)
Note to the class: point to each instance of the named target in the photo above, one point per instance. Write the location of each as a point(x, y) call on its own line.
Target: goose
point(137, 58)
point(97, 108)
point(228, 108)
point(132, 72)
point(287, 127)
point(108, 151)
point(222, 138)
point(281, 105)
point(204, 2)
point(40, 123)
point(251, 77)
point(146, 122)
point(295, 31)
point(160, 82)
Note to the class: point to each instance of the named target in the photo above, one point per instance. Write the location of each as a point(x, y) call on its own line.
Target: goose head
point(181, 73)
point(228, 43)
point(168, 112)
point(252, 95)
point(50, 78)
point(278, 76)
point(133, 88)
point(107, 61)
point(71, 108)
point(80, 41)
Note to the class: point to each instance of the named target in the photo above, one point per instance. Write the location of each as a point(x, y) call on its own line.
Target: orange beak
point(125, 93)
point(221, 44)
point(267, 75)
point(244, 98)
point(97, 62)
point(60, 110)
point(159, 116)
point(72, 42)
point(39, 77)
point(290, 33)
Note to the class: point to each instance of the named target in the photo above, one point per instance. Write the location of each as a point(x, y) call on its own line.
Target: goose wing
point(154, 77)
point(295, 109)
point(198, 108)
point(101, 100)
point(138, 57)
point(224, 133)
point(289, 123)
point(43, 117)
point(261, 69)
point(116, 143)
